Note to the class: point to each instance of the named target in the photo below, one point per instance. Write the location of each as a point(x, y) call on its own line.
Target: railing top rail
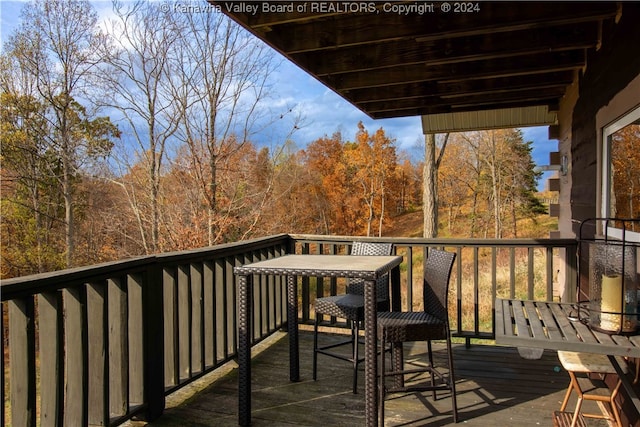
point(440, 241)
point(225, 249)
point(10, 288)
point(26, 285)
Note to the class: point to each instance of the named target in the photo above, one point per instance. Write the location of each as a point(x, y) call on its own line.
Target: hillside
point(410, 225)
point(406, 225)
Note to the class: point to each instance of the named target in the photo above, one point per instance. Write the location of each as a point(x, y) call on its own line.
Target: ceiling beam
point(526, 97)
point(427, 110)
point(486, 47)
point(504, 67)
point(390, 64)
point(461, 89)
point(349, 30)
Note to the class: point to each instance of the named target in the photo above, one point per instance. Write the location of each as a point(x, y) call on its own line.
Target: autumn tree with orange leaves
point(355, 185)
point(625, 170)
point(374, 163)
point(329, 186)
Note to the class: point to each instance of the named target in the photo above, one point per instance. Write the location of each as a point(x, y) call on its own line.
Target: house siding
point(609, 72)
point(608, 88)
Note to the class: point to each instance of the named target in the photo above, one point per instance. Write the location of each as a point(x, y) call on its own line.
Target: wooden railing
point(484, 269)
point(99, 345)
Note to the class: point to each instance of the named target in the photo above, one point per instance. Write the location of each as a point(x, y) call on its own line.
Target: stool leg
point(574, 420)
point(315, 347)
point(612, 402)
point(433, 379)
point(355, 332)
point(578, 390)
point(572, 383)
point(381, 383)
point(397, 364)
point(452, 383)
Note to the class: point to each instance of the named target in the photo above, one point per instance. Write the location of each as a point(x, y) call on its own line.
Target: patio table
point(555, 326)
point(368, 267)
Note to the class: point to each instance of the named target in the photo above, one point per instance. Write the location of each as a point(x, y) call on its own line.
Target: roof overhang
point(503, 64)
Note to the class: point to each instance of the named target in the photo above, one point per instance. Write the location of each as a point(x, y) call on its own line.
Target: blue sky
point(323, 110)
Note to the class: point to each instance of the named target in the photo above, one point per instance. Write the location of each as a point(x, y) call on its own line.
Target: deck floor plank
point(494, 386)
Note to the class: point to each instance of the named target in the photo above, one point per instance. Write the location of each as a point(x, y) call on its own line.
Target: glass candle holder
point(613, 297)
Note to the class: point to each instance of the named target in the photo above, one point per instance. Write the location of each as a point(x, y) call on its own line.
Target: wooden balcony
point(102, 345)
point(495, 386)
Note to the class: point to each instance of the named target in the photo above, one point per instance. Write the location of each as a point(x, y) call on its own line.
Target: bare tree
point(430, 184)
point(456, 180)
point(505, 176)
point(221, 84)
point(143, 39)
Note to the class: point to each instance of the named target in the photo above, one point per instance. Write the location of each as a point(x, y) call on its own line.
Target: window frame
point(628, 118)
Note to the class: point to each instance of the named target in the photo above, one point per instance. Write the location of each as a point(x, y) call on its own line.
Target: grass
point(472, 295)
point(476, 297)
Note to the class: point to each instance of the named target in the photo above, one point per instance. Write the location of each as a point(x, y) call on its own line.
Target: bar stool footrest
point(563, 419)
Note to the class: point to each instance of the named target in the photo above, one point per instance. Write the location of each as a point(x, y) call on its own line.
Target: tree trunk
point(382, 208)
point(212, 190)
point(430, 189)
point(67, 193)
point(495, 186)
point(154, 178)
point(474, 210)
point(370, 218)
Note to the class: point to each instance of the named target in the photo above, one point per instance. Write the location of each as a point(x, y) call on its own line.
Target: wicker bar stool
point(431, 324)
point(581, 365)
point(350, 306)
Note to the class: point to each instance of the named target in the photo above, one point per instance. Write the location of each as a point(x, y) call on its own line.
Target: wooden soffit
point(499, 56)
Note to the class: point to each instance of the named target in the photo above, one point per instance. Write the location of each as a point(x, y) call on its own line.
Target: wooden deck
point(495, 388)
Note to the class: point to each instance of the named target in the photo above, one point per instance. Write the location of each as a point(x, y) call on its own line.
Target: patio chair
point(350, 306)
point(430, 324)
point(583, 365)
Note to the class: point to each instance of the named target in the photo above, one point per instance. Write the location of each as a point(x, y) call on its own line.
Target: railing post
point(571, 274)
point(153, 336)
point(22, 362)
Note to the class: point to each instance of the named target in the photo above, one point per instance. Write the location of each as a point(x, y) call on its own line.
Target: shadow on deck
point(495, 387)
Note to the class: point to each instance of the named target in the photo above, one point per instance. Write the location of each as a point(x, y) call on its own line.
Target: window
point(621, 171)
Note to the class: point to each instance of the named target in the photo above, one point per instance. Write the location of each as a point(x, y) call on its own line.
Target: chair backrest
point(436, 283)
point(370, 248)
point(356, 286)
